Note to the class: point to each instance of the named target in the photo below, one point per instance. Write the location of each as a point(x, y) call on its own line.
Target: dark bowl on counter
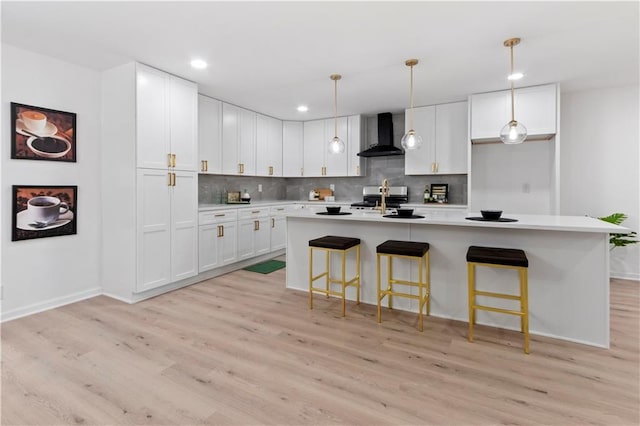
point(333, 210)
point(404, 212)
point(491, 214)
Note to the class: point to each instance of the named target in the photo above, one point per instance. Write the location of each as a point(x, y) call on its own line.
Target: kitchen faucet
point(384, 193)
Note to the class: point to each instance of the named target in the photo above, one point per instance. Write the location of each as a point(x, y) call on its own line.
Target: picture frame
point(39, 133)
point(41, 211)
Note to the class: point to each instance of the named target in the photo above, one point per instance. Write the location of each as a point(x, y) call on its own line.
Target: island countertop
point(458, 218)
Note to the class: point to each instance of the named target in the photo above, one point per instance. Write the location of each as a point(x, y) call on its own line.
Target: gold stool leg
point(358, 274)
point(525, 307)
point(343, 283)
point(310, 277)
point(420, 297)
point(378, 289)
point(471, 294)
point(389, 275)
point(427, 264)
point(328, 269)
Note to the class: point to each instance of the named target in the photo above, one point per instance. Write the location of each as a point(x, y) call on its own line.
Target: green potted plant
point(619, 240)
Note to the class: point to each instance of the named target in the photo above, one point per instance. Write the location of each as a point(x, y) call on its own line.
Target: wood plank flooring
point(241, 349)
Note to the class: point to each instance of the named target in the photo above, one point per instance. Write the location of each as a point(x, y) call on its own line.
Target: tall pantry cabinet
point(149, 180)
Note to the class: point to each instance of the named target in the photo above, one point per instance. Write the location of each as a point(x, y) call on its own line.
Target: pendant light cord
point(335, 108)
point(411, 100)
point(512, 96)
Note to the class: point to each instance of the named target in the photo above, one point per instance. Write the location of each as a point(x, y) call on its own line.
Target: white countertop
point(457, 218)
point(320, 204)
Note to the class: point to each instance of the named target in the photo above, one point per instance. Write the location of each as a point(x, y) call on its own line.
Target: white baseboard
point(49, 304)
point(625, 275)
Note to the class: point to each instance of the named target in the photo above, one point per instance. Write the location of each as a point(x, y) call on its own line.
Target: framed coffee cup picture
point(44, 211)
point(39, 133)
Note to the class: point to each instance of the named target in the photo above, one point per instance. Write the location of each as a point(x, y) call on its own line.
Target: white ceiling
point(273, 56)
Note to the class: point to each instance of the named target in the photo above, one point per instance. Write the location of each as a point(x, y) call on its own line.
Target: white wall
point(600, 159)
point(43, 273)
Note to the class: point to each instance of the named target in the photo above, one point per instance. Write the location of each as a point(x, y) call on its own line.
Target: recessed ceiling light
point(303, 108)
point(515, 76)
point(198, 64)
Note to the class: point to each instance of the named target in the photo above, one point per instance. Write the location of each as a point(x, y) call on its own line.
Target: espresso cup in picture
point(34, 120)
point(46, 210)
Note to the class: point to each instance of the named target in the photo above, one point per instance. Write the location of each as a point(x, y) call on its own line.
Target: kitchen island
point(568, 265)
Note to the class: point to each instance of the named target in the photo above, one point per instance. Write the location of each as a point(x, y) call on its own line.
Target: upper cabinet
point(292, 149)
point(443, 129)
point(209, 135)
point(317, 159)
point(268, 146)
point(535, 108)
point(356, 164)
point(166, 120)
point(238, 141)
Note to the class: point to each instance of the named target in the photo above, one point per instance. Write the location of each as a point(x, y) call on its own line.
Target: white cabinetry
point(166, 120)
point(279, 226)
point(443, 129)
point(238, 141)
point(209, 135)
point(217, 240)
point(268, 146)
point(357, 164)
point(149, 191)
point(253, 232)
point(317, 159)
point(167, 204)
point(535, 108)
point(292, 149)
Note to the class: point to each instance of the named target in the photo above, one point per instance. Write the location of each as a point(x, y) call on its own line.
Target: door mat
point(266, 267)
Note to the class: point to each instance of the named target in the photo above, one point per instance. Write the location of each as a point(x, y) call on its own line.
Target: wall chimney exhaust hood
point(385, 146)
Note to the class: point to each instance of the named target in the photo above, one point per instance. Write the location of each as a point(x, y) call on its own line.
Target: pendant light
point(336, 145)
point(512, 132)
point(411, 140)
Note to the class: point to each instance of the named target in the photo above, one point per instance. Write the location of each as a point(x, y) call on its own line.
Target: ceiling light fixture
point(303, 108)
point(411, 140)
point(515, 76)
point(198, 64)
point(336, 145)
point(513, 132)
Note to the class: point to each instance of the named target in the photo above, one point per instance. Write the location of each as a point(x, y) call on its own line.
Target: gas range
point(372, 197)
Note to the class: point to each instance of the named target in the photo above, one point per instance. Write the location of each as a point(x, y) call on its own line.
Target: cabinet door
point(421, 161)
point(276, 147)
point(489, 113)
point(292, 148)
point(184, 226)
point(230, 139)
point(183, 106)
point(314, 148)
point(278, 232)
point(228, 241)
point(536, 108)
point(268, 146)
point(152, 118)
point(337, 164)
point(245, 238)
point(209, 135)
point(153, 229)
point(262, 236)
point(208, 253)
point(452, 144)
point(247, 142)
point(357, 164)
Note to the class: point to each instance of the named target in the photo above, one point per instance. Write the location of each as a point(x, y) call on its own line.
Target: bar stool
point(495, 257)
point(331, 244)
point(409, 250)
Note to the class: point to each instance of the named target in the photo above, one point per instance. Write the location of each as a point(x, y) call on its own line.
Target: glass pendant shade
point(513, 133)
point(336, 146)
point(411, 140)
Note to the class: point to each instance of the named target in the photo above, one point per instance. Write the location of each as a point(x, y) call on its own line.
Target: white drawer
point(251, 213)
point(217, 216)
point(282, 210)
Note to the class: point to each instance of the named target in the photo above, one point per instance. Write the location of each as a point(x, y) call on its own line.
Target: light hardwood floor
point(241, 349)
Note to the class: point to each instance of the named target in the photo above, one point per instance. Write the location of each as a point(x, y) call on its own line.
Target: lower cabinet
point(254, 234)
point(218, 239)
point(167, 227)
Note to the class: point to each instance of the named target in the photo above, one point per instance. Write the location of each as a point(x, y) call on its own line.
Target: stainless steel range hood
point(385, 146)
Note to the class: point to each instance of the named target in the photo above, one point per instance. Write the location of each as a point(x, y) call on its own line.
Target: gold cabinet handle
point(280, 209)
point(270, 170)
point(256, 225)
point(169, 160)
point(206, 165)
point(218, 231)
point(219, 215)
point(273, 223)
point(174, 179)
point(255, 212)
point(202, 165)
point(437, 166)
point(358, 170)
point(301, 171)
point(173, 158)
point(170, 179)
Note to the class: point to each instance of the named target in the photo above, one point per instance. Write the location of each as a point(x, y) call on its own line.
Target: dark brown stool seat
point(334, 244)
point(393, 249)
point(496, 257)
